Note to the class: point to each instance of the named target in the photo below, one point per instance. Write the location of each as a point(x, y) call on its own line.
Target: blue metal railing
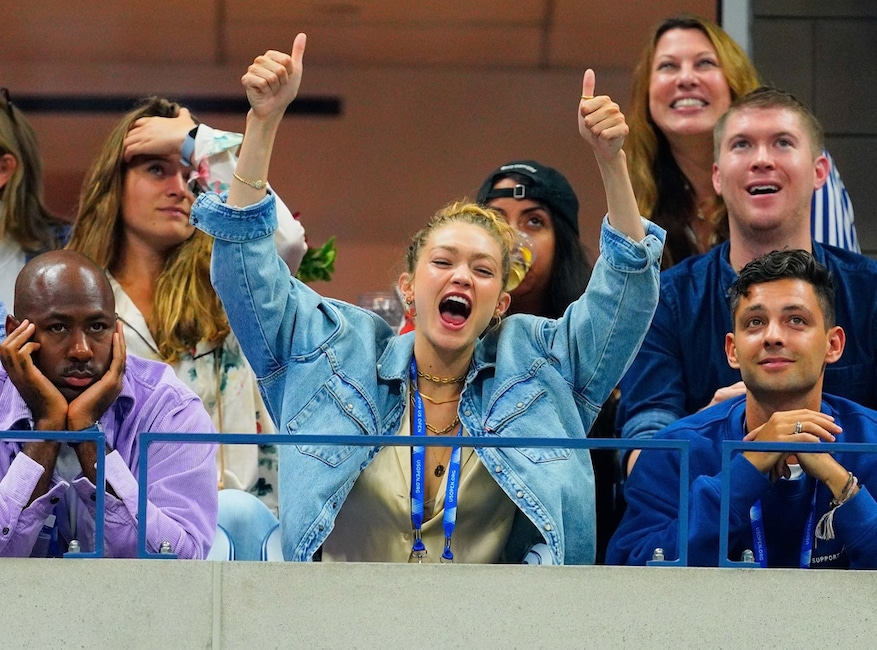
point(100, 440)
point(406, 441)
point(680, 446)
point(729, 446)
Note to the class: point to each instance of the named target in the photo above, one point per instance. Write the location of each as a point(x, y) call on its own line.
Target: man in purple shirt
point(65, 369)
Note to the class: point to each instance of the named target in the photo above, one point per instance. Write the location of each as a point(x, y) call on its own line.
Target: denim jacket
point(325, 366)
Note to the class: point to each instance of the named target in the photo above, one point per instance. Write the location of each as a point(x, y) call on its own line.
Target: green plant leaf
point(318, 263)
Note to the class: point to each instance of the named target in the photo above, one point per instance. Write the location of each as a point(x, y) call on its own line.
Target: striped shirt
point(831, 213)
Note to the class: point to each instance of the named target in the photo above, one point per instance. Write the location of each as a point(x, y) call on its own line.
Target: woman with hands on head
point(134, 222)
point(326, 366)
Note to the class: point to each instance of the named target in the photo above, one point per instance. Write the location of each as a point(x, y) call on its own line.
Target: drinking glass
point(385, 304)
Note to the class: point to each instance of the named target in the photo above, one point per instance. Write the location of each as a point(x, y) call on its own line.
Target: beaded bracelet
point(825, 527)
point(847, 492)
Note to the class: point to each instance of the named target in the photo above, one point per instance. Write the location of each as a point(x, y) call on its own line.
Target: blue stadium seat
point(223, 547)
point(272, 551)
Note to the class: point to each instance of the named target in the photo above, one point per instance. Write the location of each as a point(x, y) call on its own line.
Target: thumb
point(298, 49)
point(588, 83)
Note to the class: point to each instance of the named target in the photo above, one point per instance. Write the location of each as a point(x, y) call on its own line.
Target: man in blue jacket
point(768, 160)
point(802, 510)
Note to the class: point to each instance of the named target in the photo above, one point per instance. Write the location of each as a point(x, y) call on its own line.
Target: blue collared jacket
point(325, 366)
point(652, 494)
point(682, 361)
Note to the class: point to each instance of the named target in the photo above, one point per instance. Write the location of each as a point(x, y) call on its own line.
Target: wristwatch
point(188, 148)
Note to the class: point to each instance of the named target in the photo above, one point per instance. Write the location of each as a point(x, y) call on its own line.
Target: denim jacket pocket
point(335, 409)
point(504, 419)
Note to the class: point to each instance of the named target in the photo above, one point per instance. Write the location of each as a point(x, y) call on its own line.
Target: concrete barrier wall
point(177, 604)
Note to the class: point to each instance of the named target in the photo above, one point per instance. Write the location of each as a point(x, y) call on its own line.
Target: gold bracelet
point(256, 185)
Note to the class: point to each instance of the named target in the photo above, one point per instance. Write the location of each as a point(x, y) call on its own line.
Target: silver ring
point(798, 427)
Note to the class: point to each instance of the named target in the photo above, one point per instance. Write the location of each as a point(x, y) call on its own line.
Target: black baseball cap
point(547, 185)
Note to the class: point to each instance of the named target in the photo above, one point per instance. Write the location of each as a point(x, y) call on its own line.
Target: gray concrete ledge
point(178, 604)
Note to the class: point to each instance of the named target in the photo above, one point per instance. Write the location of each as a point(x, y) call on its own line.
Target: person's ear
point(717, 180)
point(11, 323)
point(821, 170)
point(406, 287)
point(502, 305)
point(731, 351)
point(837, 339)
point(8, 165)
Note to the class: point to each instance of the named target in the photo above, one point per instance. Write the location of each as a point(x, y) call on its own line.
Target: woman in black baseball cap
point(538, 201)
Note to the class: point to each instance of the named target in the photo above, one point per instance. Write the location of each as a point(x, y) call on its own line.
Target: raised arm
point(272, 82)
point(602, 125)
point(265, 309)
point(598, 336)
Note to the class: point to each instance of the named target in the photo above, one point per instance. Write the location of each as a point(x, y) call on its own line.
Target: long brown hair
point(663, 193)
point(185, 309)
point(23, 214)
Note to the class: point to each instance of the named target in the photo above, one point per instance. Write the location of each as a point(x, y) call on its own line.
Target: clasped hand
point(783, 426)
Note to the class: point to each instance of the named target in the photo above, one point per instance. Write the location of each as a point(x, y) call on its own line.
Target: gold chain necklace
point(439, 401)
point(441, 380)
point(446, 430)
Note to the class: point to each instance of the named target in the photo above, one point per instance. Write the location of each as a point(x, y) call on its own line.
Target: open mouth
point(455, 310)
point(757, 190)
point(688, 102)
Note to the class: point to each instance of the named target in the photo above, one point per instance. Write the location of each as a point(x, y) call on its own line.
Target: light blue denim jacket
point(325, 366)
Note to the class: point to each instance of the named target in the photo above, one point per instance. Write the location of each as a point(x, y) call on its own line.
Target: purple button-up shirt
point(182, 492)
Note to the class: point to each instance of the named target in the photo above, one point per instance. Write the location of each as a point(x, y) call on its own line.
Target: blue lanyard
point(756, 518)
point(418, 463)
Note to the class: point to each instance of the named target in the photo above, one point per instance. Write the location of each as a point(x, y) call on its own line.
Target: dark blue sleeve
point(652, 516)
point(856, 525)
point(653, 389)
